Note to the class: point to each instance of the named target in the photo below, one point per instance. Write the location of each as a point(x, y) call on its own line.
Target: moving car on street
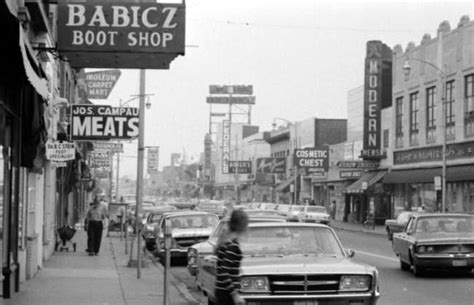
point(187, 229)
point(397, 225)
point(294, 213)
point(296, 263)
point(315, 213)
point(212, 206)
point(436, 241)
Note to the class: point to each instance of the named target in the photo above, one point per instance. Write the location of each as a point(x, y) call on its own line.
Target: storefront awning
point(369, 178)
point(285, 185)
point(453, 173)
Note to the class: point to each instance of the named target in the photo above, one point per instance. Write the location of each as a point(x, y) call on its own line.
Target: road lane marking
point(379, 256)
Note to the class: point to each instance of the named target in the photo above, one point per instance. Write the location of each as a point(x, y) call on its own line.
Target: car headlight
point(421, 249)
point(254, 284)
point(354, 283)
point(430, 249)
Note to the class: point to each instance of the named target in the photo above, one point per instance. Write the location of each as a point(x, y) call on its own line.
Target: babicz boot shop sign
point(101, 122)
point(109, 34)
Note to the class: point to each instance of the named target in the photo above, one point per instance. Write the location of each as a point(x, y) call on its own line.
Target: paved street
point(397, 287)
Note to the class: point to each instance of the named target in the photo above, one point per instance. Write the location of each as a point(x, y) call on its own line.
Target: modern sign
point(121, 34)
point(377, 90)
point(271, 165)
point(312, 160)
point(99, 84)
point(240, 167)
point(225, 146)
point(153, 160)
point(60, 151)
point(101, 122)
point(235, 89)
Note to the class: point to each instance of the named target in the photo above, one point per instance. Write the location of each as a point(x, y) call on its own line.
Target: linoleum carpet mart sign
point(102, 122)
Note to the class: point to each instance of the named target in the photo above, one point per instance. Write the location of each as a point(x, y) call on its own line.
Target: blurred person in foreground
point(229, 257)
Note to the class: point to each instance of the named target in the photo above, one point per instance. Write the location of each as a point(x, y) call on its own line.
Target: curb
point(380, 234)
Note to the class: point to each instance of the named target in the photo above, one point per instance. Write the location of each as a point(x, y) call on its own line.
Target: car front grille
point(185, 242)
point(304, 284)
point(454, 248)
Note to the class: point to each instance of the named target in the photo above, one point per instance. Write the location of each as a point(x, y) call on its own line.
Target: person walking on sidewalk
point(229, 257)
point(95, 217)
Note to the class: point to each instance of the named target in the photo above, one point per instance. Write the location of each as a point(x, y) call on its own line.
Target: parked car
point(294, 213)
point(397, 225)
point(296, 263)
point(315, 213)
point(198, 251)
point(437, 241)
point(212, 206)
point(182, 204)
point(150, 228)
point(187, 228)
point(283, 209)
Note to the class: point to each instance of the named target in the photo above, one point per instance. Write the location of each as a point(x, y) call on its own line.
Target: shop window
point(431, 115)
point(469, 105)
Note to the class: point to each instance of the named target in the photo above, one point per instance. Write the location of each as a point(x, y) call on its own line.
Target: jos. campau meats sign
point(125, 34)
point(101, 122)
point(313, 160)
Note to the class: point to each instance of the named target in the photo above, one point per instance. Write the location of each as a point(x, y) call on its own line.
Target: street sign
point(99, 84)
point(60, 151)
point(271, 165)
point(152, 160)
point(103, 122)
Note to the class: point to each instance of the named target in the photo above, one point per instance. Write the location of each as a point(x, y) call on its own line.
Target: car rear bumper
point(175, 253)
point(339, 299)
point(445, 261)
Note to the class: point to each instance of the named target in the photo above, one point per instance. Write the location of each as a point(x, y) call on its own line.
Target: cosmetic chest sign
point(134, 33)
point(102, 122)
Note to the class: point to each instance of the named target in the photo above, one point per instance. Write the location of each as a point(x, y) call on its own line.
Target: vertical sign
point(207, 157)
point(377, 62)
point(153, 160)
point(225, 146)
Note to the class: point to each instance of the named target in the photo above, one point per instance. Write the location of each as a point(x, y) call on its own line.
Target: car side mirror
point(350, 252)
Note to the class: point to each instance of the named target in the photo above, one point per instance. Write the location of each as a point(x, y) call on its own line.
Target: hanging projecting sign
point(99, 160)
point(99, 84)
point(313, 160)
point(240, 167)
point(120, 34)
point(101, 122)
point(60, 151)
point(152, 160)
point(271, 165)
point(108, 146)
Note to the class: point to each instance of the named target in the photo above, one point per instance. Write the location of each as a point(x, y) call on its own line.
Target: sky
point(301, 56)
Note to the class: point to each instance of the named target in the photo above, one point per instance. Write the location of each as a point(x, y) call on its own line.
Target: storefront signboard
point(240, 167)
point(312, 160)
point(60, 151)
point(100, 84)
point(434, 153)
point(271, 165)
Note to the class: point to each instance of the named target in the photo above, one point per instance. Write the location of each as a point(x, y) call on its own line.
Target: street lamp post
point(407, 69)
point(295, 168)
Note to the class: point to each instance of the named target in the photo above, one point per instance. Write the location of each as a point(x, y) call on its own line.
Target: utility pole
point(140, 161)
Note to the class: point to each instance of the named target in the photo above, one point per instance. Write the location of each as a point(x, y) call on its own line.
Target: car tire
point(404, 266)
point(417, 270)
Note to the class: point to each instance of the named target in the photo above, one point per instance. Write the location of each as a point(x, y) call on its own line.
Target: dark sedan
point(397, 225)
point(436, 241)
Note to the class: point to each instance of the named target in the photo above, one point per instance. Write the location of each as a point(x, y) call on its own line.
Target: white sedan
point(315, 213)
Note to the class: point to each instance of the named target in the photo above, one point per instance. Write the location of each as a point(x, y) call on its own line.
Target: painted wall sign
point(240, 167)
point(312, 160)
point(102, 122)
point(377, 63)
point(271, 165)
point(60, 151)
point(89, 32)
point(434, 153)
point(100, 84)
point(225, 146)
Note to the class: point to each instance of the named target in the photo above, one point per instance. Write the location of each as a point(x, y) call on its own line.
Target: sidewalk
point(74, 278)
point(357, 227)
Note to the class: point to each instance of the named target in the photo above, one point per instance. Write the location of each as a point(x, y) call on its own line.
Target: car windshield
point(445, 224)
point(290, 240)
point(316, 209)
point(193, 221)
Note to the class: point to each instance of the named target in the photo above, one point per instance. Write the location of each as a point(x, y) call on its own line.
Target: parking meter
point(167, 245)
